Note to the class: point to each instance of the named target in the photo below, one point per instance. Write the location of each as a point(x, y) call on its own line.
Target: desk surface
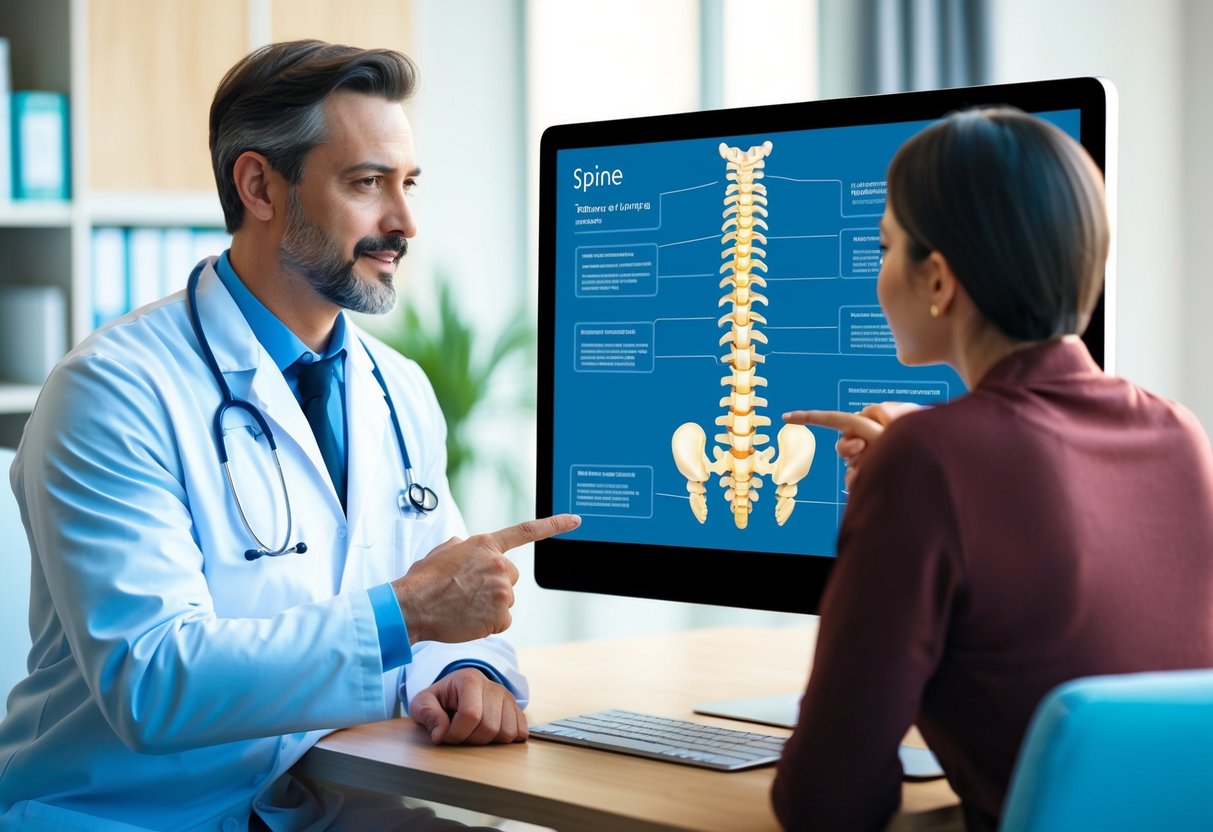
point(572, 788)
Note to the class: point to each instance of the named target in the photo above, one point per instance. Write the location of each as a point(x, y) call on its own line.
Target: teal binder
point(41, 160)
point(6, 124)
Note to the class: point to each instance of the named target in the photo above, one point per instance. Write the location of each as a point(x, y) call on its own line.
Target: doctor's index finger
point(849, 424)
point(529, 531)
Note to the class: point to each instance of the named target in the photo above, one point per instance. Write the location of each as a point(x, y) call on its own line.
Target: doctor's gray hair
point(270, 102)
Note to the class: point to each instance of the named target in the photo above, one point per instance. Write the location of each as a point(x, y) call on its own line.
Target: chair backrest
point(14, 587)
point(1125, 752)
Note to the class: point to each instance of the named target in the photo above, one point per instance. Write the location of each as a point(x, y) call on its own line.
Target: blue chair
point(1109, 753)
point(14, 587)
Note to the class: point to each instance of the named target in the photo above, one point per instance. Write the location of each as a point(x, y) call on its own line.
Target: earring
point(934, 311)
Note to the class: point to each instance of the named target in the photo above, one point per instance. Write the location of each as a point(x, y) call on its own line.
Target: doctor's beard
point(307, 251)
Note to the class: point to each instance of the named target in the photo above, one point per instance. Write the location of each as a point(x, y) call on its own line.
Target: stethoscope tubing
point(419, 497)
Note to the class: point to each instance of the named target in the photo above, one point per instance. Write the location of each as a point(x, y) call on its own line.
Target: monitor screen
point(701, 274)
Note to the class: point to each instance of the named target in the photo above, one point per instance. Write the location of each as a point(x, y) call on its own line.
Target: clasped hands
point(462, 591)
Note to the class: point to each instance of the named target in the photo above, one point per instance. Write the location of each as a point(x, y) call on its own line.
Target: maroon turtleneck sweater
point(1054, 523)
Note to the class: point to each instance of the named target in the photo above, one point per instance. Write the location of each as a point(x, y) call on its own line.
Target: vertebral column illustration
point(740, 463)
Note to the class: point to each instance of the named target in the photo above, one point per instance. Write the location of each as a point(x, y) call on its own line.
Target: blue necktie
point(320, 398)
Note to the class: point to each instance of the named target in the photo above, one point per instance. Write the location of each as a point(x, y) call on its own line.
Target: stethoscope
point(414, 496)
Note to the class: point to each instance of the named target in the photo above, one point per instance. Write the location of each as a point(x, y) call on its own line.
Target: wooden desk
point(572, 788)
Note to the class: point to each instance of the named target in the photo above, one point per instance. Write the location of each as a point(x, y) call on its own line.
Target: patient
point(1055, 522)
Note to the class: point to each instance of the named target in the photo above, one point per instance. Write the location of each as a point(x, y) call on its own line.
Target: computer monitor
point(642, 222)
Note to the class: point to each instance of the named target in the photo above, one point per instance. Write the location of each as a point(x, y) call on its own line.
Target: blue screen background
point(638, 254)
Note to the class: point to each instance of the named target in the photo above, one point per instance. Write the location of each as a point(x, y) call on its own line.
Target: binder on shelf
point(40, 145)
point(178, 259)
point(6, 123)
point(33, 332)
point(209, 242)
point(132, 267)
point(144, 259)
point(109, 274)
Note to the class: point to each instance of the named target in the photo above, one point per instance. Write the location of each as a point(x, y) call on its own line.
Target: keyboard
point(662, 738)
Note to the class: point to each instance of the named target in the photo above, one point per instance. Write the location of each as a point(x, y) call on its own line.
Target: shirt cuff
point(394, 643)
point(484, 667)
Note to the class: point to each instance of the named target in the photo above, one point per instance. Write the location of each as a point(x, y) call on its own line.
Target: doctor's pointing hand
point(463, 589)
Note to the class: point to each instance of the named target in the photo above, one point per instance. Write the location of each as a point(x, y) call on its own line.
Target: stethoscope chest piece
point(417, 497)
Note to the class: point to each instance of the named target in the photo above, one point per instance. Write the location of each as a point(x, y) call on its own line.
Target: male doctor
point(197, 628)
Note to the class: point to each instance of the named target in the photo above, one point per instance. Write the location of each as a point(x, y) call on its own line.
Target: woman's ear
point(252, 174)
point(941, 282)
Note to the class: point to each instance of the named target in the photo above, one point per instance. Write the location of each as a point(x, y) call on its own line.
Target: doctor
point(198, 626)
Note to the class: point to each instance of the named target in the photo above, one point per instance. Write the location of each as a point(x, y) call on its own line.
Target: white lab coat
point(172, 681)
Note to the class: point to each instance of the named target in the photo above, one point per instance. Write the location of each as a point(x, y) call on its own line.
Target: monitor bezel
point(769, 581)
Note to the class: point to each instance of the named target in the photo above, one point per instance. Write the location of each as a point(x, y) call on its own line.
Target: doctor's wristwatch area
point(414, 497)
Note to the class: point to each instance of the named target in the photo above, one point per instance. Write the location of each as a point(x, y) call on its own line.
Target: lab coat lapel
point(369, 448)
point(254, 377)
point(268, 390)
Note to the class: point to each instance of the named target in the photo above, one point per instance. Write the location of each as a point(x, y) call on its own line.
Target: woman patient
point(1055, 522)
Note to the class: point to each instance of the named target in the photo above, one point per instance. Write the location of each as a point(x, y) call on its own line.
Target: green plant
point(448, 349)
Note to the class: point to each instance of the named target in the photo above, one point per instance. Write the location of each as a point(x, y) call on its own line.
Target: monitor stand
point(781, 710)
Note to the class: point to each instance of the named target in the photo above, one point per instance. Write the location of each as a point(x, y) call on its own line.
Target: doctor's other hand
point(463, 589)
point(859, 430)
point(467, 707)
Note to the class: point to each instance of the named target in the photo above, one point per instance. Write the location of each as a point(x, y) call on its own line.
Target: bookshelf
point(138, 153)
point(72, 46)
point(37, 239)
point(36, 215)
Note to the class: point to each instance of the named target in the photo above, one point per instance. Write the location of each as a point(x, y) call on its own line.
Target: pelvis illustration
point(741, 464)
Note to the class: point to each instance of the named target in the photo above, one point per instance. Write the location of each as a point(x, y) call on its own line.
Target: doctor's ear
point(258, 184)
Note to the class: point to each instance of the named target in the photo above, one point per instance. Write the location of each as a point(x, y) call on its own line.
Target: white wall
point(787, 61)
point(1197, 204)
point(1140, 47)
point(468, 120)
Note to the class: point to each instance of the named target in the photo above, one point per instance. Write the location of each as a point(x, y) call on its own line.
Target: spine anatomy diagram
point(740, 464)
